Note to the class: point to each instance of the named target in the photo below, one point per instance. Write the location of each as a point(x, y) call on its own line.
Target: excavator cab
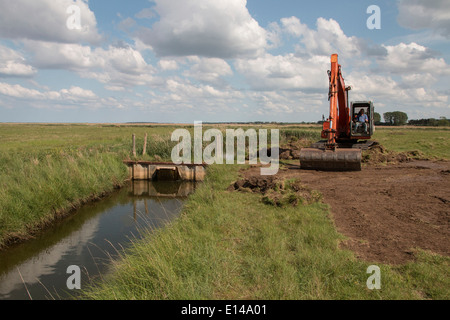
point(358, 131)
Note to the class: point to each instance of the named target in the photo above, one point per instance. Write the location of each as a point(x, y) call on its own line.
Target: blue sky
point(205, 60)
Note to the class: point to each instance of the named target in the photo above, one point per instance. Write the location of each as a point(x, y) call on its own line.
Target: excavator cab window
point(360, 129)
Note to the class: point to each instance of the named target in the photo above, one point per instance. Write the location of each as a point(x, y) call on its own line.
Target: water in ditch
point(40, 269)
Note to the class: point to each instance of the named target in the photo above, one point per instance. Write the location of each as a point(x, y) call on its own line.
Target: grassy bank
point(36, 189)
point(230, 245)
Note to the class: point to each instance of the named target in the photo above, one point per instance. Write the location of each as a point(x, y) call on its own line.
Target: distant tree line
point(398, 118)
point(441, 122)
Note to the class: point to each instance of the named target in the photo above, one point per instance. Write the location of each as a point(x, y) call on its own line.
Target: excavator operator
point(361, 119)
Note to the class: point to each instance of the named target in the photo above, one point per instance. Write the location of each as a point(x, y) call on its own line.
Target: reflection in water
point(88, 239)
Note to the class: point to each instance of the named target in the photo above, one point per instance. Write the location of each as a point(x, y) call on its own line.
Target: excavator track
point(331, 160)
point(346, 157)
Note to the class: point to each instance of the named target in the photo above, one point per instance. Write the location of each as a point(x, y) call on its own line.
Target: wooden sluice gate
point(165, 171)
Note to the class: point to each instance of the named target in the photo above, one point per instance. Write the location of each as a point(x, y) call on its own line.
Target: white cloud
point(124, 59)
point(180, 95)
point(114, 88)
point(74, 93)
point(77, 93)
point(294, 27)
point(167, 64)
point(46, 20)
point(327, 39)
point(425, 14)
point(13, 63)
point(52, 55)
point(390, 93)
point(412, 58)
point(209, 70)
point(222, 29)
point(117, 65)
point(189, 91)
point(17, 91)
point(415, 80)
point(287, 72)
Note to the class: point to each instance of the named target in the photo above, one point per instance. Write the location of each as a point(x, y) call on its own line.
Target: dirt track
point(386, 211)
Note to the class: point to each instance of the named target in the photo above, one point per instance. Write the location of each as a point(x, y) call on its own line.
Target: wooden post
point(134, 145)
point(146, 206)
point(145, 145)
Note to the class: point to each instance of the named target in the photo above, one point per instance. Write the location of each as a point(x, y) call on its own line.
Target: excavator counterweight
point(346, 130)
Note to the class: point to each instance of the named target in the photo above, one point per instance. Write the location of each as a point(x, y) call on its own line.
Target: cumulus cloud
point(17, 91)
point(285, 72)
point(165, 64)
point(77, 93)
point(209, 70)
point(12, 63)
point(73, 94)
point(327, 39)
point(46, 20)
point(384, 89)
point(425, 14)
point(117, 65)
point(412, 58)
point(121, 57)
point(52, 55)
point(222, 29)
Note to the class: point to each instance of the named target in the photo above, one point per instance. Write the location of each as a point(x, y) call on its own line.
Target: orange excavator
point(347, 131)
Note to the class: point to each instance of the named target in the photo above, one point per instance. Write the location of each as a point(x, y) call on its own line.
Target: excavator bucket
point(329, 160)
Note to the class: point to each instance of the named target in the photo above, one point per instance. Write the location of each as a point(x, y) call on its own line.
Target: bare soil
point(385, 211)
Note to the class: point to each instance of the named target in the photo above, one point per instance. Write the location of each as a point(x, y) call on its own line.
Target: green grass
point(225, 245)
point(230, 245)
point(433, 143)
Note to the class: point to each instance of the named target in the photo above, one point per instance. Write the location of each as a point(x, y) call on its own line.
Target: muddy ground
point(386, 211)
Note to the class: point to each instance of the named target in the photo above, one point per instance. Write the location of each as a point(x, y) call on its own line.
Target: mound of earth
point(377, 154)
point(277, 191)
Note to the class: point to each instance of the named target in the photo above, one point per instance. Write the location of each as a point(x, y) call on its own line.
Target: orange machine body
point(338, 125)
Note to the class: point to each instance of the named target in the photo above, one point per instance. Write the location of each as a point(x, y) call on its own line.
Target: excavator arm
point(338, 124)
